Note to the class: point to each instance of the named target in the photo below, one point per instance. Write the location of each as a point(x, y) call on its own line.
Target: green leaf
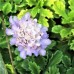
point(71, 3)
point(59, 8)
point(69, 18)
point(7, 8)
point(56, 58)
point(21, 13)
point(49, 2)
point(62, 69)
point(72, 31)
point(34, 11)
point(25, 64)
point(17, 1)
point(3, 42)
point(64, 33)
point(66, 61)
point(31, 2)
point(46, 13)
point(40, 3)
point(2, 66)
point(41, 61)
point(53, 70)
point(43, 21)
point(73, 62)
point(72, 45)
point(53, 43)
point(34, 68)
point(57, 28)
point(15, 7)
point(10, 68)
point(1, 6)
point(16, 52)
point(70, 71)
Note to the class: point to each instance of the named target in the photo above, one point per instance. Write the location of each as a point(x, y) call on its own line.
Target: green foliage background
point(58, 16)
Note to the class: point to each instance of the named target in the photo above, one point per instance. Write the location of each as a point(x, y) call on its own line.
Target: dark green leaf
point(70, 71)
point(2, 66)
point(56, 58)
point(53, 70)
point(66, 61)
point(34, 68)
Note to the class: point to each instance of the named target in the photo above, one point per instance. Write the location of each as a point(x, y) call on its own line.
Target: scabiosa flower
point(29, 36)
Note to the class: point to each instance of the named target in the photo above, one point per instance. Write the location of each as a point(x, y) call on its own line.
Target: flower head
point(29, 36)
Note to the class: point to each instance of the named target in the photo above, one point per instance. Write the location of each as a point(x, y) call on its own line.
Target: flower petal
point(45, 35)
point(28, 52)
point(11, 20)
point(16, 20)
point(45, 42)
point(20, 48)
point(9, 31)
point(42, 52)
point(35, 52)
point(23, 54)
point(12, 41)
point(35, 20)
point(44, 29)
point(26, 16)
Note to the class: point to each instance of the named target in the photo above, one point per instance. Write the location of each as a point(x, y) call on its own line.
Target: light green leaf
point(17, 1)
point(71, 3)
point(49, 2)
point(10, 68)
point(69, 18)
point(43, 21)
point(34, 68)
point(64, 33)
point(40, 3)
point(2, 66)
point(22, 12)
point(7, 8)
point(34, 11)
point(72, 31)
point(56, 58)
point(57, 28)
point(59, 7)
point(31, 2)
point(46, 13)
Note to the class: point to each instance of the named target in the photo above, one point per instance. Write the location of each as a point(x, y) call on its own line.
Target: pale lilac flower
point(29, 36)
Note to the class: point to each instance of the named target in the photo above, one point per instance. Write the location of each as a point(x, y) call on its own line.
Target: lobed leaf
point(7, 8)
point(53, 70)
point(46, 13)
point(34, 68)
point(43, 21)
point(57, 28)
point(56, 58)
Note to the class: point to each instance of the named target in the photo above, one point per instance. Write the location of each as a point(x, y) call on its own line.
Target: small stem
point(9, 50)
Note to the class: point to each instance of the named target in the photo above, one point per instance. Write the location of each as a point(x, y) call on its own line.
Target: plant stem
point(9, 49)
